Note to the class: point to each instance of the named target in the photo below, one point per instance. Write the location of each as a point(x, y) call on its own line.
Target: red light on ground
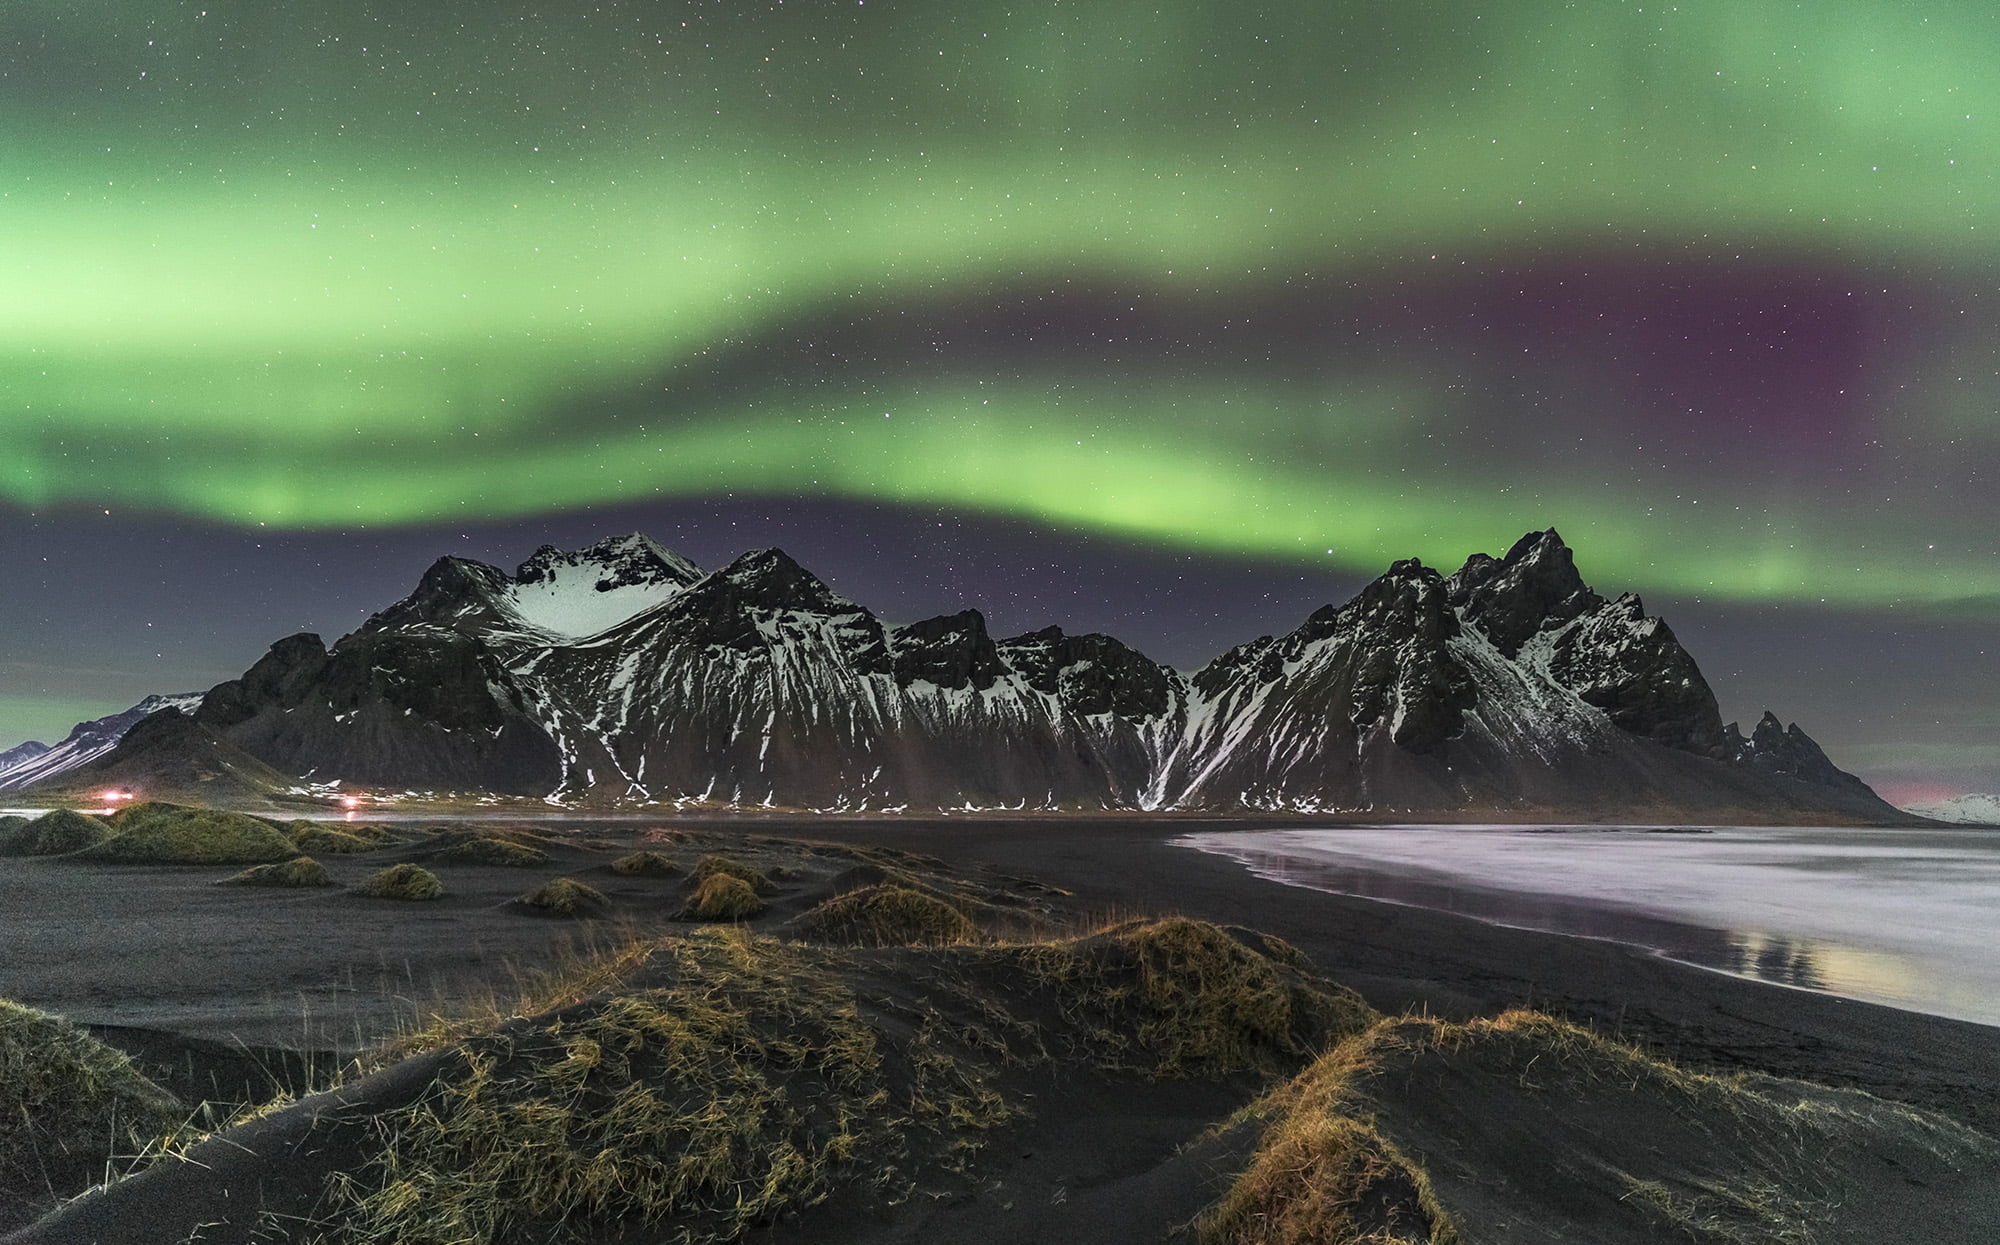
point(112, 796)
point(349, 802)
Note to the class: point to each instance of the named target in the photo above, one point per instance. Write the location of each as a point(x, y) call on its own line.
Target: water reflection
point(1807, 963)
point(1788, 961)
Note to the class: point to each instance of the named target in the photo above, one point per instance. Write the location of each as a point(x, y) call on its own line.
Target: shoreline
point(1762, 949)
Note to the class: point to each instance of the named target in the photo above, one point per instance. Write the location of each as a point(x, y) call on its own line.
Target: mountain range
point(623, 674)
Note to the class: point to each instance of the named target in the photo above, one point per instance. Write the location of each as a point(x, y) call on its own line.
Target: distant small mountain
point(1973, 810)
point(167, 755)
point(622, 673)
point(21, 752)
point(34, 762)
point(171, 757)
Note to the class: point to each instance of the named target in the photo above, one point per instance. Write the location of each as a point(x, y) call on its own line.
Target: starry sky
point(1170, 319)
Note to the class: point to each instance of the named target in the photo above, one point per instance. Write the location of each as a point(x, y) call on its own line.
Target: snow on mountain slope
point(89, 740)
point(1971, 810)
point(761, 686)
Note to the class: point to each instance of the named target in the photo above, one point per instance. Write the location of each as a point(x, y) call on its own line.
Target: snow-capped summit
point(553, 595)
point(597, 587)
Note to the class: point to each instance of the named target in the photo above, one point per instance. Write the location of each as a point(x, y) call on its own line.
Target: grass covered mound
point(301, 871)
point(69, 1105)
point(310, 836)
point(493, 850)
point(1525, 1119)
point(1174, 995)
point(159, 833)
point(884, 915)
point(53, 834)
point(712, 1082)
point(728, 866)
point(405, 881)
point(722, 897)
point(568, 897)
point(643, 865)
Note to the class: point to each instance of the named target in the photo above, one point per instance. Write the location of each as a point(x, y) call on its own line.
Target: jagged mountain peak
point(1787, 753)
point(555, 593)
point(1409, 596)
point(1535, 587)
point(618, 561)
point(771, 579)
point(452, 592)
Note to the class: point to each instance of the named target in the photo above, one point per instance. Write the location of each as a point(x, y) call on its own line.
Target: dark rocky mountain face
point(1293, 720)
point(1607, 652)
point(420, 708)
point(1789, 756)
point(621, 673)
point(1091, 674)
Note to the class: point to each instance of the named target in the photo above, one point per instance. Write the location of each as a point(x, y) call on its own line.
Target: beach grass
point(70, 1107)
point(404, 881)
point(160, 833)
point(300, 871)
point(494, 850)
point(644, 864)
point(54, 833)
point(568, 897)
point(722, 897)
point(884, 915)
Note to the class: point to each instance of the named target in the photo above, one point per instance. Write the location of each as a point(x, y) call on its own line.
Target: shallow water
point(1910, 918)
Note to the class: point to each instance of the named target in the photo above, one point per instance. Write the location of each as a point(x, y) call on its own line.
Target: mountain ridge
point(1508, 684)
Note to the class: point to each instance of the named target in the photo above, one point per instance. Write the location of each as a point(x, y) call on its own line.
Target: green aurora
point(358, 266)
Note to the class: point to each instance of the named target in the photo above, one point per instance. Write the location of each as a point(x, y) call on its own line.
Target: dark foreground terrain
point(1002, 1040)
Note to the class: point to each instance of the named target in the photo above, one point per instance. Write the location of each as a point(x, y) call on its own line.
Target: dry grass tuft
point(568, 897)
point(310, 836)
point(722, 897)
point(1323, 1172)
point(403, 881)
point(69, 1106)
point(53, 834)
point(301, 871)
point(643, 865)
point(885, 915)
point(160, 833)
point(494, 850)
point(727, 866)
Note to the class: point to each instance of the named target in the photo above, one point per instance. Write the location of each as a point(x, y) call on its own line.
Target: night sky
point(1170, 319)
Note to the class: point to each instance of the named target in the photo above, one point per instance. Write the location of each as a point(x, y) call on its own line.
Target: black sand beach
point(205, 984)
